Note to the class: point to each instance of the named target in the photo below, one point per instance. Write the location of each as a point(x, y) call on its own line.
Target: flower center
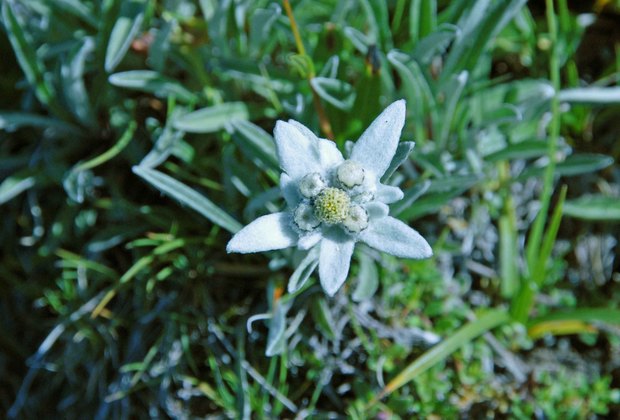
point(350, 174)
point(357, 219)
point(332, 205)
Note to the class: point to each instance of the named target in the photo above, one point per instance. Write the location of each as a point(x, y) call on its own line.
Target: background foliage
point(135, 138)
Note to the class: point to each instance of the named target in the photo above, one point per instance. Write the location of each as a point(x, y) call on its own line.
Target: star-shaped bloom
point(333, 203)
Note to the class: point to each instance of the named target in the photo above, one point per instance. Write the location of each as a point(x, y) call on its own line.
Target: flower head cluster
point(333, 202)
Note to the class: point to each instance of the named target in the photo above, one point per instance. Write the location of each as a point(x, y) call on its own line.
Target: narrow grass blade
point(444, 349)
point(549, 239)
point(508, 249)
point(574, 321)
point(189, 197)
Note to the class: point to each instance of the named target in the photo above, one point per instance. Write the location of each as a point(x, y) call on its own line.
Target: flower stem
point(324, 123)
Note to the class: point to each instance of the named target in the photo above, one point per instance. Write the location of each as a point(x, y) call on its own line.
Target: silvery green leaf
point(411, 195)
point(72, 71)
point(435, 43)
point(11, 121)
point(13, 186)
point(125, 29)
point(261, 24)
point(303, 271)
point(593, 207)
point(338, 93)
point(367, 279)
point(188, 196)
point(276, 340)
point(152, 82)
point(402, 153)
point(323, 317)
point(211, 119)
point(160, 48)
point(330, 69)
point(591, 95)
point(255, 142)
point(163, 148)
point(358, 39)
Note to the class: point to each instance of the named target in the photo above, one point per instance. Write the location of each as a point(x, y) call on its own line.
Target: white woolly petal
point(266, 233)
point(304, 130)
point(377, 145)
point(377, 210)
point(395, 237)
point(334, 262)
point(330, 156)
point(297, 153)
point(289, 190)
point(388, 194)
point(309, 240)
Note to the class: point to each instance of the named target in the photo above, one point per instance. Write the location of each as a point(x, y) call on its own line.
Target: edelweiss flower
point(333, 202)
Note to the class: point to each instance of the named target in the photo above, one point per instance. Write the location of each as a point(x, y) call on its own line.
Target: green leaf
point(523, 150)
point(276, 340)
point(454, 89)
point(152, 82)
point(255, 142)
point(164, 147)
point(74, 88)
point(77, 8)
point(338, 93)
point(189, 197)
point(213, 118)
point(367, 279)
point(435, 43)
point(125, 29)
point(323, 317)
point(480, 24)
point(594, 207)
point(583, 163)
point(443, 350)
point(402, 153)
point(544, 254)
point(591, 95)
point(12, 121)
point(576, 164)
point(261, 24)
point(13, 186)
point(422, 19)
point(411, 195)
point(303, 271)
point(26, 54)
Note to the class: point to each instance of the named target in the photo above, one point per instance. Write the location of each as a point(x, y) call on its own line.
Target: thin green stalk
point(535, 238)
point(111, 152)
point(326, 127)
